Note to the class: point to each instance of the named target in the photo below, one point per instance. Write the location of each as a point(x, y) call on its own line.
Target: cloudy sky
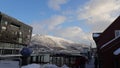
point(74, 20)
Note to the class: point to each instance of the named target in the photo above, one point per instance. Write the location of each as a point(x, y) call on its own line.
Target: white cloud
point(56, 4)
point(47, 25)
point(70, 14)
point(75, 34)
point(99, 13)
point(55, 21)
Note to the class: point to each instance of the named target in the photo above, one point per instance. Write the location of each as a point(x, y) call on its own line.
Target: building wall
point(14, 31)
point(109, 33)
point(14, 35)
point(106, 47)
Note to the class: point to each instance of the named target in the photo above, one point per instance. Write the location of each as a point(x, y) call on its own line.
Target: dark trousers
point(96, 66)
point(82, 65)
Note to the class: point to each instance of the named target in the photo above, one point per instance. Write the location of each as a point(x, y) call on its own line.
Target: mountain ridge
point(47, 42)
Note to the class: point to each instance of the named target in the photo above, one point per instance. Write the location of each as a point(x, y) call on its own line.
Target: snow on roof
point(109, 42)
point(116, 52)
point(96, 35)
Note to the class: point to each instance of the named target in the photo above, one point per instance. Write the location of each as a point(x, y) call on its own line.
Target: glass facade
point(14, 31)
point(8, 48)
point(14, 35)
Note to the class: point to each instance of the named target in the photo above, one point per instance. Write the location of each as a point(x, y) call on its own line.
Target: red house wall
point(106, 57)
point(109, 33)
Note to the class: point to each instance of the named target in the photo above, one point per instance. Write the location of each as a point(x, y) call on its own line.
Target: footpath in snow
point(90, 64)
point(43, 66)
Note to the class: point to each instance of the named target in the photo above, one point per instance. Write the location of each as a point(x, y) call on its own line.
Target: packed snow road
point(43, 66)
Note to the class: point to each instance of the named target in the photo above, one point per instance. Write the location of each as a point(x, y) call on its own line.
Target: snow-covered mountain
point(47, 43)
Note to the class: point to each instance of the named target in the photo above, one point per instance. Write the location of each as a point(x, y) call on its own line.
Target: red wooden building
point(108, 44)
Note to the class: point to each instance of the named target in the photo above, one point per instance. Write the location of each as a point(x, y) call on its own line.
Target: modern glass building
point(14, 34)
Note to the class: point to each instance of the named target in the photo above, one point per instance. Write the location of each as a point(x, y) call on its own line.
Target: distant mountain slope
point(45, 43)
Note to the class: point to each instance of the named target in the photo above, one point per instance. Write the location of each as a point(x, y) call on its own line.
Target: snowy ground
point(89, 65)
point(43, 66)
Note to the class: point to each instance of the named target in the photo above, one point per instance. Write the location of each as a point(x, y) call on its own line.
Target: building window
point(20, 40)
point(34, 58)
point(14, 27)
point(16, 33)
point(29, 31)
point(117, 33)
point(7, 51)
point(4, 22)
point(20, 33)
point(28, 36)
point(4, 28)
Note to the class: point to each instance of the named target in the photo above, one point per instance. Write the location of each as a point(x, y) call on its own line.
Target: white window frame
point(117, 33)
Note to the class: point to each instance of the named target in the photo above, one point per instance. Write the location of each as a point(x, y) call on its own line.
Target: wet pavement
point(90, 64)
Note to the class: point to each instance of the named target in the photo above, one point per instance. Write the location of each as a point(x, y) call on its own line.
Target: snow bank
point(49, 66)
point(64, 66)
point(32, 66)
point(116, 52)
point(44, 66)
